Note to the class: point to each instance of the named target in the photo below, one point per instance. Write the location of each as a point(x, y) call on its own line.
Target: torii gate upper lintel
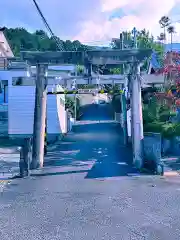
point(77, 57)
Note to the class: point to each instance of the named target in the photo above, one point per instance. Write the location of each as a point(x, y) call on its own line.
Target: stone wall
point(152, 148)
point(171, 146)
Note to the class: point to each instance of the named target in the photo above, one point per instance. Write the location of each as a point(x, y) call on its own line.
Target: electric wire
point(58, 43)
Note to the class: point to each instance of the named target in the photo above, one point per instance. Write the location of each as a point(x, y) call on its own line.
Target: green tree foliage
point(20, 39)
point(144, 41)
point(70, 105)
point(115, 71)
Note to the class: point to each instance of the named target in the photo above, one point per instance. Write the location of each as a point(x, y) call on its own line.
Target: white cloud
point(108, 5)
point(143, 14)
point(88, 20)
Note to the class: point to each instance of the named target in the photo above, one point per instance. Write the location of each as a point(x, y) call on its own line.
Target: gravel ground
point(88, 191)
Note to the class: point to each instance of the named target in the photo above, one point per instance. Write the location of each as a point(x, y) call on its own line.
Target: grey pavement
point(88, 190)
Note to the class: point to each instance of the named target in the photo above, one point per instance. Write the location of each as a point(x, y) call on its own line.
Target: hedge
point(165, 116)
point(169, 130)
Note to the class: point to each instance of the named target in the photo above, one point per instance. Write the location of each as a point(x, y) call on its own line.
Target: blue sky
point(90, 21)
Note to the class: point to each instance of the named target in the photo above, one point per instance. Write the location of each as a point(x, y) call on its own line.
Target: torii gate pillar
point(39, 116)
point(136, 116)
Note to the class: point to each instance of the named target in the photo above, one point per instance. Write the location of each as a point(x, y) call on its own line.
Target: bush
point(147, 116)
point(70, 105)
point(163, 108)
point(154, 127)
point(171, 130)
point(150, 114)
point(173, 114)
point(168, 130)
point(165, 116)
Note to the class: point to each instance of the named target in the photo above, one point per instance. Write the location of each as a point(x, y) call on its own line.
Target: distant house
point(20, 100)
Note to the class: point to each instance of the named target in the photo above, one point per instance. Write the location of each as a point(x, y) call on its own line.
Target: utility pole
point(134, 33)
point(75, 108)
point(45, 135)
point(123, 99)
point(75, 98)
point(137, 123)
point(39, 116)
point(121, 41)
point(136, 110)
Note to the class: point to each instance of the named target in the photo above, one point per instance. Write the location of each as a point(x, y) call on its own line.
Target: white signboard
point(87, 91)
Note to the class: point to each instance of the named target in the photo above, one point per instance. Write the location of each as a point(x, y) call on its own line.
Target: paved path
point(88, 192)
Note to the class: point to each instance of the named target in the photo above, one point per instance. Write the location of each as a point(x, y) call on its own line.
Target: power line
point(58, 43)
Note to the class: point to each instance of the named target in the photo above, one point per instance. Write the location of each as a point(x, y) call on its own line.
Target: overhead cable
point(58, 42)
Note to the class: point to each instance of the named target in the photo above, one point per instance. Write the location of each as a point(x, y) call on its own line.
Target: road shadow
point(95, 112)
point(102, 153)
point(113, 166)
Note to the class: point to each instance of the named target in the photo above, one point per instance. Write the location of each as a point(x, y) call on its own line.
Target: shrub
point(150, 113)
point(168, 130)
point(156, 127)
point(171, 130)
point(163, 108)
point(70, 105)
point(165, 116)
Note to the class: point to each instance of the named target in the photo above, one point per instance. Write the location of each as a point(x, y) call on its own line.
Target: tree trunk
point(164, 35)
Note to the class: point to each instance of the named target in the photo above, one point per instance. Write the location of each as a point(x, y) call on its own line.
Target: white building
point(21, 100)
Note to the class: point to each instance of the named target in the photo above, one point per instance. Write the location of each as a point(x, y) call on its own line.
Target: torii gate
point(133, 57)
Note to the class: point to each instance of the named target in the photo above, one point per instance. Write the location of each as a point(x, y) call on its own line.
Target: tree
point(116, 43)
point(164, 23)
point(20, 38)
point(171, 30)
point(144, 41)
point(76, 45)
point(161, 38)
point(115, 71)
point(80, 69)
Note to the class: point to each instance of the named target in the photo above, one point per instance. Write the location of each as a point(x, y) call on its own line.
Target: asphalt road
point(87, 191)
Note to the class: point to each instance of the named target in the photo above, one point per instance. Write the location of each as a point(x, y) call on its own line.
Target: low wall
point(70, 123)
point(176, 146)
point(118, 117)
point(152, 148)
point(51, 138)
point(3, 111)
point(171, 146)
point(19, 138)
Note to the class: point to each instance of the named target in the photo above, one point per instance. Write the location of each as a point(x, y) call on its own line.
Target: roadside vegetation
point(160, 118)
point(70, 106)
point(160, 105)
